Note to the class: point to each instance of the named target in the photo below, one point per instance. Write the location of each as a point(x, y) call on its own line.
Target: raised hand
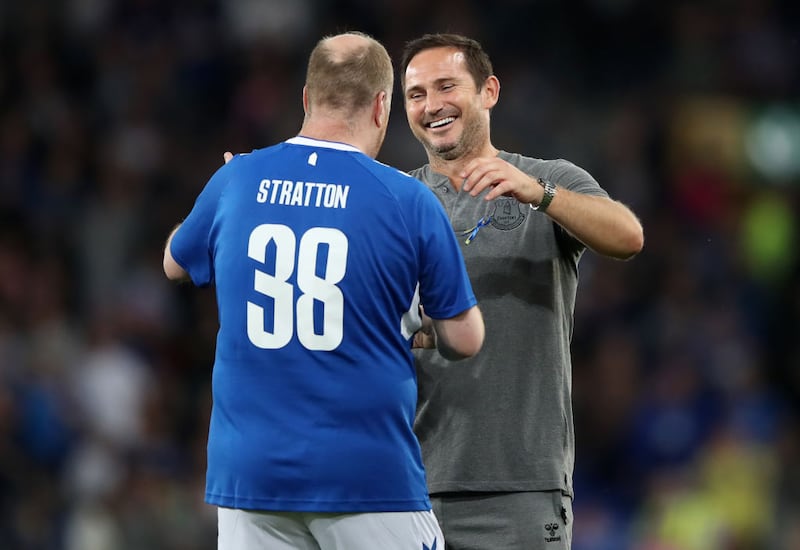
point(502, 177)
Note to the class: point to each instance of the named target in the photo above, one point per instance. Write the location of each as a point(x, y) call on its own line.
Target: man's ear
point(305, 99)
point(490, 92)
point(380, 109)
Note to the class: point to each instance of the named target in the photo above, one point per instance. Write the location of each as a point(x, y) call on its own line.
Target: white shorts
point(251, 530)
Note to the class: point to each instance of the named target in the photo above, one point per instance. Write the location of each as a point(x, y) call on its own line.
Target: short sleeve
point(445, 289)
point(191, 246)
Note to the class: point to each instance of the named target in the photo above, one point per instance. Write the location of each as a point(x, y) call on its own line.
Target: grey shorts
point(250, 530)
point(536, 520)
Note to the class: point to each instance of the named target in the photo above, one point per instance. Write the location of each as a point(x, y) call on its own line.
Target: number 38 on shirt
point(311, 287)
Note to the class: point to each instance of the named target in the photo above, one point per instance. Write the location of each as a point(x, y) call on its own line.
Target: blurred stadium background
point(113, 114)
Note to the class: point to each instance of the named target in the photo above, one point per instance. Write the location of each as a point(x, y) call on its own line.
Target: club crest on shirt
point(508, 213)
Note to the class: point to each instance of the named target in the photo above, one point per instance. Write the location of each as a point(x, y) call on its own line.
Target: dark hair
point(348, 80)
point(477, 60)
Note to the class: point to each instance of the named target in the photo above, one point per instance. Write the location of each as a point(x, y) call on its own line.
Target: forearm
point(461, 336)
point(605, 226)
point(608, 227)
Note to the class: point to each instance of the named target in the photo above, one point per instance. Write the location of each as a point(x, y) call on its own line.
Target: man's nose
point(433, 103)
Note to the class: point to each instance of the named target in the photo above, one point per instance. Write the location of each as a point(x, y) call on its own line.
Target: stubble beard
point(464, 144)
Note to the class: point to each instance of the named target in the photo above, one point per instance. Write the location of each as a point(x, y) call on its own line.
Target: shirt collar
point(311, 142)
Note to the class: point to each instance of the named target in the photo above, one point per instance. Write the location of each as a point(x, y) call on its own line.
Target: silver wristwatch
point(547, 198)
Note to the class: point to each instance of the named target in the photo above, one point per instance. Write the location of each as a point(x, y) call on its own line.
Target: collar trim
point(311, 142)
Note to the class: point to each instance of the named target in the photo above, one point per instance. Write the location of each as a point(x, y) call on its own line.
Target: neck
point(335, 129)
point(452, 168)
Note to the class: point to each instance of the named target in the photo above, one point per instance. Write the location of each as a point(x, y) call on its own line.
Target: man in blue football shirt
point(320, 256)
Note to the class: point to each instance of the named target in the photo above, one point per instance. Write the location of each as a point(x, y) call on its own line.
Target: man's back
point(316, 251)
point(320, 256)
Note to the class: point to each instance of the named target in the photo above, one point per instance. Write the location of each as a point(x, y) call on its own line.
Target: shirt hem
point(291, 505)
point(499, 486)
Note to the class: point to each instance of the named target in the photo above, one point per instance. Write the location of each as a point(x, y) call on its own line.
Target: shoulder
point(392, 178)
point(427, 176)
point(421, 173)
point(410, 192)
point(560, 171)
point(537, 166)
point(386, 171)
point(256, 154)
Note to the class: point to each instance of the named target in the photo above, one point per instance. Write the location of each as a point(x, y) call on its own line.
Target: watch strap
point(547, 198)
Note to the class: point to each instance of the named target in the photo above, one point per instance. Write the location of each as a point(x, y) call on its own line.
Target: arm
point(456, 338)
point(190, 238)
point(606, 226)
point(461, 336)
point(172, 269)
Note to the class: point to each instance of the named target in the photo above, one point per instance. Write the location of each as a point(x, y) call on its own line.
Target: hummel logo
point(432, 547)
point(551, 528)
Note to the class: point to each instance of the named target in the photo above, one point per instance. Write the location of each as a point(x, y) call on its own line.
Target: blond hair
point(348, 79)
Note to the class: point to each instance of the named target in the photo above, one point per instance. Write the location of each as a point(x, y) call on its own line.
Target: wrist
point(547, 196)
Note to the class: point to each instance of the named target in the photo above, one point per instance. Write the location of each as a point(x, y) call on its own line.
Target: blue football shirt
point(319, 255)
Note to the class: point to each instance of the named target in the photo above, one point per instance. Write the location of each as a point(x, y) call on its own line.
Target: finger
point(474, 177)
point(502, 188)
point(488, 179)
point(227, 155)
point(475, 170)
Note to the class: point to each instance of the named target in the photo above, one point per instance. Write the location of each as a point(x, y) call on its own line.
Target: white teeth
point(442, 122)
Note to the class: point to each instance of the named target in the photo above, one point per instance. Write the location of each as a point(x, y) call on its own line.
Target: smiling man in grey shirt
point(497, 436)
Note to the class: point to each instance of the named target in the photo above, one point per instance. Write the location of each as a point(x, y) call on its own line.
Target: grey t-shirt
point(502, 420)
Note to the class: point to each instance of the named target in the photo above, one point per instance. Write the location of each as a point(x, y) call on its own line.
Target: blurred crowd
point(113, 115)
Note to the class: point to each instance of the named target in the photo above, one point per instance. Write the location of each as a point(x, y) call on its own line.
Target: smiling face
point(446, 111)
